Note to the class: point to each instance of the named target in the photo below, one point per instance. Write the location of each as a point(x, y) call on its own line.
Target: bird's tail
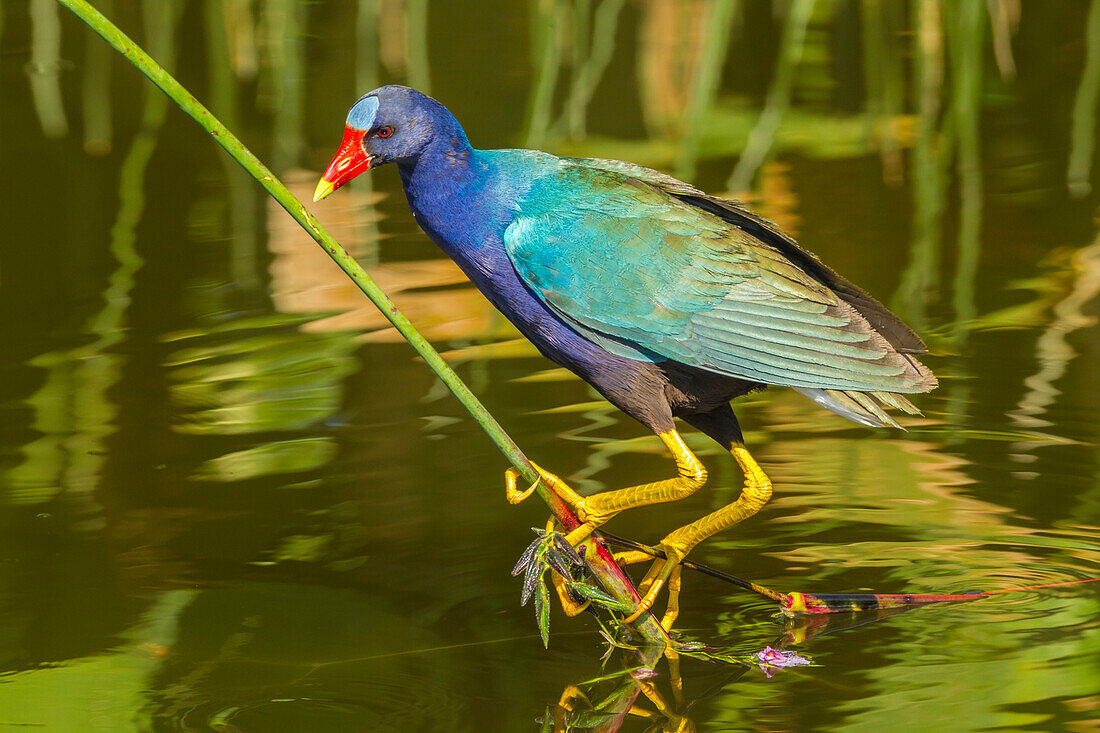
point(865, 408)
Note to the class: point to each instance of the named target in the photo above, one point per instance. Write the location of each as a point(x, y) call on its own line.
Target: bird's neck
point(447, 163)
point(445, 187)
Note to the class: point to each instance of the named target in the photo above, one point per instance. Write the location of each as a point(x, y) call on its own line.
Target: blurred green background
point(230, 499)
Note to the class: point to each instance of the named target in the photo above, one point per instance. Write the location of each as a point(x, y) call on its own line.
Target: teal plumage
point(629, 258)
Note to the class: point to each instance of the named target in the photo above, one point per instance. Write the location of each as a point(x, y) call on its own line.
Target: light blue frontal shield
point(361, 116)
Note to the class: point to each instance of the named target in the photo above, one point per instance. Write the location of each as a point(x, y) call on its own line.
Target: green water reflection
point(232, 500)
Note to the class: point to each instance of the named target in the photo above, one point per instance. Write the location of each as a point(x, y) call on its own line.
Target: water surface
point(232, 500)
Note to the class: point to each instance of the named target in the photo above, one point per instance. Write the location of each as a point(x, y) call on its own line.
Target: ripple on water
point(387, 705)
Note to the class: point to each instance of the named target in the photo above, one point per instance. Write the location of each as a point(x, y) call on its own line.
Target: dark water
point(231, 501)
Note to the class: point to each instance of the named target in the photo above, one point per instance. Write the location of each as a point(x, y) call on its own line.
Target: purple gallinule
point(668, 301)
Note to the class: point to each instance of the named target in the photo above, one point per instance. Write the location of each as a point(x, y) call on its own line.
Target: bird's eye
point(384, 131)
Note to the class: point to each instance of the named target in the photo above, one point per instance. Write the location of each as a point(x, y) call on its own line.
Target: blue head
point(392, 124)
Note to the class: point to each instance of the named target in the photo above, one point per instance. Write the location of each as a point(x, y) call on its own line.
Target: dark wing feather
point(892, 328)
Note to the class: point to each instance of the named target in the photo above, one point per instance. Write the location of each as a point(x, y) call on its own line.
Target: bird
point(668, 301)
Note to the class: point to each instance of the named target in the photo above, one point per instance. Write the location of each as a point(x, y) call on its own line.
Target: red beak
point(350, 161)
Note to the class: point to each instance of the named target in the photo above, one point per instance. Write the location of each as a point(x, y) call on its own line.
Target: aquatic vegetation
point(183, 552)
point(770, 660)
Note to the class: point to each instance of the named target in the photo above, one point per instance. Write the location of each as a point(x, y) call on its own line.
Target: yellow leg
point(673, 608)
point(674, 678)
point(629, 557)
point(594, 511)
point(678, 543)
point(674, 722)
point(567, 704)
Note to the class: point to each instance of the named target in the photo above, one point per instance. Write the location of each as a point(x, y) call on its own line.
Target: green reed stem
point(600, 561)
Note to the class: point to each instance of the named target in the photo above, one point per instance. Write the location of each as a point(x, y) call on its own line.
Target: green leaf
point(562, 545)
point(527, 556)
point(589, 719)
point(548, 721)
point(559, 563)
point(531, 578)
point(542, 612)
point(594, 594)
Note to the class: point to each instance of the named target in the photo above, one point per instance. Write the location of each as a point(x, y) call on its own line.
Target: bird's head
point(392, 124)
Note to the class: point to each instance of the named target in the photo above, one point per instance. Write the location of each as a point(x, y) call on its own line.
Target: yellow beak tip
point(324, 188)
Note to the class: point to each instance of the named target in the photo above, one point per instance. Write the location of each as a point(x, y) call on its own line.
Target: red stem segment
point(813, 604)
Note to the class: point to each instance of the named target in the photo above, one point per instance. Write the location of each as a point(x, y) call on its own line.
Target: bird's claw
point(589, 517)
point(511, 490)
point(592, 514)
point(514, 495)
point(665, 570)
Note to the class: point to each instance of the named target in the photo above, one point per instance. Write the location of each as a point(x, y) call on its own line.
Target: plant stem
point(600, 561)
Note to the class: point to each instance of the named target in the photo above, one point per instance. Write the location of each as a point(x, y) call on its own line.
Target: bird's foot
point(586, 509)
point(515, 495)
point(512, 493)
point(664, 571)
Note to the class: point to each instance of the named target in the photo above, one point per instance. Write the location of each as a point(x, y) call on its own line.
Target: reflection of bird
point(666, 300)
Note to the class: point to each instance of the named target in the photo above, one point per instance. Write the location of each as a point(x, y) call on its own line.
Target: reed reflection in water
point(233, 500)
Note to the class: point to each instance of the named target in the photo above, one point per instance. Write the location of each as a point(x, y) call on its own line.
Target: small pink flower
point(769, 660)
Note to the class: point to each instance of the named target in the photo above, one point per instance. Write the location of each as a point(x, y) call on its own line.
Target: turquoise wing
point(629, 265)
